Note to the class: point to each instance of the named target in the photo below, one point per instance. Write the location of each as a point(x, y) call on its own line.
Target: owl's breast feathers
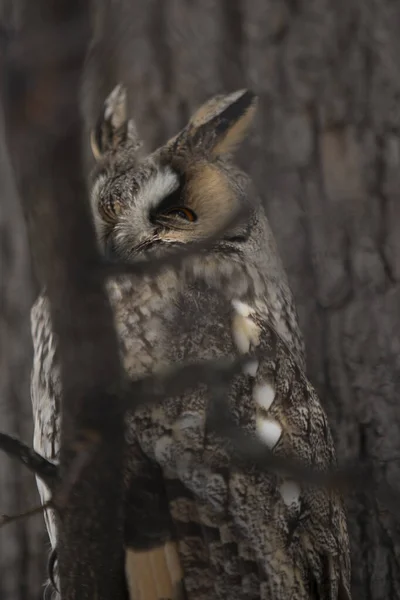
point(196, 526)
point(246, 534)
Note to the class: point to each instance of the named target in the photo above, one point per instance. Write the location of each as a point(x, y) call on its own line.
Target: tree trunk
point(22, 544)
point(325, 155)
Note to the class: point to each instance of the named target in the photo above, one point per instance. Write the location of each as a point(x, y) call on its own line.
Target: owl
point(196, 525)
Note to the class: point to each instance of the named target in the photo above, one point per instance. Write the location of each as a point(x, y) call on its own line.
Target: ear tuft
point(113, 129)
point(234, 121)
point(215, 106)
point(219, 125)
point(115, 107)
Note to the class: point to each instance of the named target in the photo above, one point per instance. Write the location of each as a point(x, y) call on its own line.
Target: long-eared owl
point(197, 526)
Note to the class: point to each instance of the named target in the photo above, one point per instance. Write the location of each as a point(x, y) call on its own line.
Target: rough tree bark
point(325, 156)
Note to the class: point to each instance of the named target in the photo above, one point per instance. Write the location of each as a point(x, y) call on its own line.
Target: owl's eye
point(183, 212)
point(109, 209)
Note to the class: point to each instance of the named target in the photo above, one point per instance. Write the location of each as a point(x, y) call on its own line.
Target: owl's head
point(181, 193)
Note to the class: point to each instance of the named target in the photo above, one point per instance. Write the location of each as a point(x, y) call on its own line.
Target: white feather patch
point(290, 492)
point(264, 395)
point(115, 106)
point(269, 431)
point(245, 333)
point(242, 309)
point(251, 367)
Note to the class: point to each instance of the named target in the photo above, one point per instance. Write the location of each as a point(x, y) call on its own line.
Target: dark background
point(325, 157)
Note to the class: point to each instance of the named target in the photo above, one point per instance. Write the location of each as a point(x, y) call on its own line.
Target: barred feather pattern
point(46, 398)
point(239, 534)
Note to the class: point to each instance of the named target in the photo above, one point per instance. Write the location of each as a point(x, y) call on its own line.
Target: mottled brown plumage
point(195, 524)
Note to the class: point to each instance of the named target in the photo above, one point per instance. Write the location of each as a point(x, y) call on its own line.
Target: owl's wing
point(240, 534)
point(154, 552)
point(46, 398)
point(251, 534)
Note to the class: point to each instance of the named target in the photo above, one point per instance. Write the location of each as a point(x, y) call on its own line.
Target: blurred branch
point(44, 136)
point(248, 452)
point(176, 381)
point(44, 469)
point(174, 258)
point(245, 450)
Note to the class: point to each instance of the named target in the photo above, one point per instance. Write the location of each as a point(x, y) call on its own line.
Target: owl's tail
point(155, 574)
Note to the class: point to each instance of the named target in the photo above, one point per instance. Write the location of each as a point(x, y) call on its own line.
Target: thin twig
point(86, 449)
point(176, 381)
point(7, 519)
point(174, 258)
point(44, 469)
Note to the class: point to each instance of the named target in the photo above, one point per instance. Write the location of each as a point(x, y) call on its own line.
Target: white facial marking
point(94, 199)
point(99, 183)
point(290, 492)
point(159, 186)
point(269, 431)
point(264, 395)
